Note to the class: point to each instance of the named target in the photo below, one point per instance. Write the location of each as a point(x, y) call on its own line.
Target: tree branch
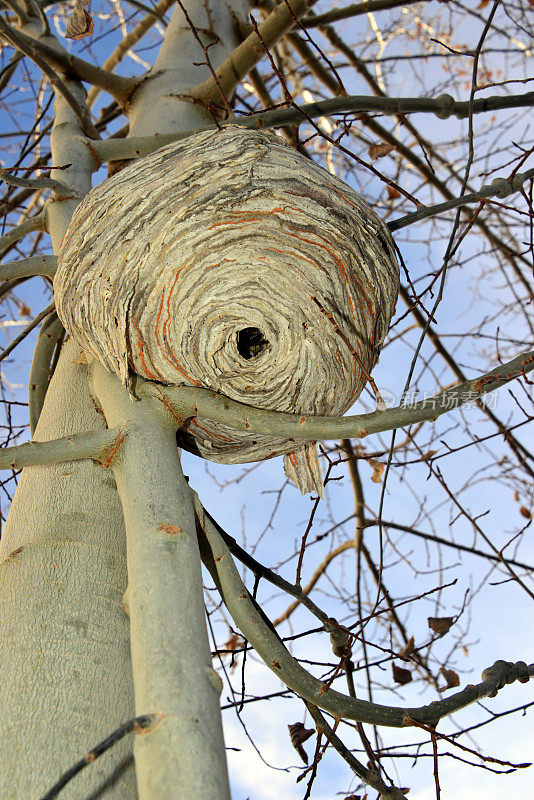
point(443, 107)
point(143, 723)
point(28, 267)
point(499, 187)
point(186, 402)
point(33, 183)
point(37, 223)
point(27, 330)
point(251, 51)
point(369, 776)
point(28, 46)
point(206, 520)
point(354, 10)
point(59, 58)
point(94, 444)
point(50, 335)
point(272, 650)
point(126, 44)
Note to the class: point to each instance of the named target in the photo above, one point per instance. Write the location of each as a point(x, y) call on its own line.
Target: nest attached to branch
point(229, 261)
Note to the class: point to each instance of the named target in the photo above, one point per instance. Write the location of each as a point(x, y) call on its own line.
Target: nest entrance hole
point(250, 342)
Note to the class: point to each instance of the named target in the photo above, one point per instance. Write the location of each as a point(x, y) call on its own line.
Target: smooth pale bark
point(65, 669)
point(160, 104)
point(64, 645)
point(183, 757)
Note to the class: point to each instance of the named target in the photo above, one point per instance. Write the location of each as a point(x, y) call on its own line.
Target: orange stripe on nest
point(291, 253)
point(177, 366)
point(354, 278)
point(236, 222)
point(337, 261)
point(210, 434)
point(172, 362)
point(249, 218)
point(141, 348)
point(157, 320)
point(166, 325)
point(346, 199)
point(338, 358)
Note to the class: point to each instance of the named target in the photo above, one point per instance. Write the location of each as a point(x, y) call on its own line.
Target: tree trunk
point(65, 658)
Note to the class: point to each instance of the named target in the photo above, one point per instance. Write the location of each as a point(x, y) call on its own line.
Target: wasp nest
point(229, 261)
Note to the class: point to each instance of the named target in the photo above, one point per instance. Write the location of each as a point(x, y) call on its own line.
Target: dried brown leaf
point(407, 649)
point(401, 675)
point(81, 23)
point(24, 310)
point(428, 456)
point(380, 150)
point(378, 468)
point(440, 625)
point(393, 194)
point(516, 493)
point(299, 734)
point(525, 512)
point(234, 642)
point(452, 677)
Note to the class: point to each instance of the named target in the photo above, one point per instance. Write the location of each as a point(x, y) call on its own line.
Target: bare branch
point(27, 330)
point(27, 267)
point(33, 183)
point(50, 337)
point(275, 655)
point(354, 10)
point(90, 444)
point(60, 59)
point(29, 47)
point(443, 107)
point(369, 776)
point(126, 44)
point(251, 51)
point(499, 187)
point(189, 402)
point(143, 723)
point(37, 223)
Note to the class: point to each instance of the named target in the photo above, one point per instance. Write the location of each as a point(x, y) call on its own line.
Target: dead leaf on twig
point(81, 22)
point(407, 650)
point(235, 642)
point(428, 456)
point(380, 150)
point(401, 675)
point(440, 625)
point(299, 734)
point(378, 468)
point(452, 678)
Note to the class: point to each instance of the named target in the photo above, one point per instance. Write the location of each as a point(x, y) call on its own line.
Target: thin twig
point(27, 330)
point(137, 724)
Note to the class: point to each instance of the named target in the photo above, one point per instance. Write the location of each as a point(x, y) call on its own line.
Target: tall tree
point(101, 605)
